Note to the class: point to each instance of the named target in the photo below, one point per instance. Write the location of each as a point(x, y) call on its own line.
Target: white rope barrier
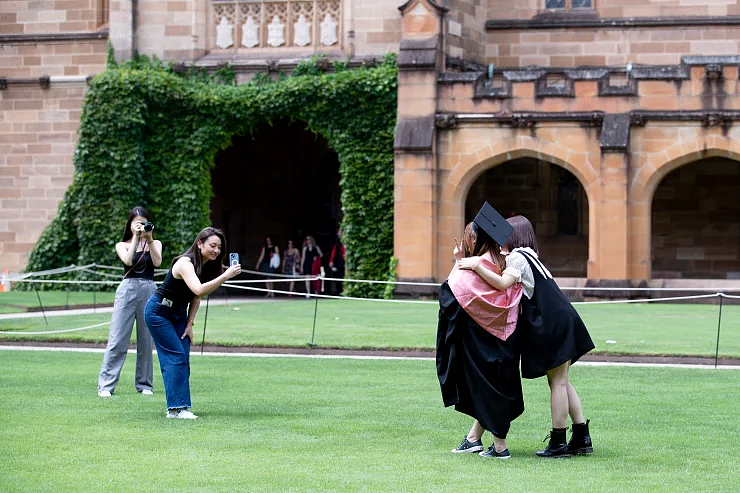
point(53, 331)
point(729, 296)
point(326, 296)
point(647, 300)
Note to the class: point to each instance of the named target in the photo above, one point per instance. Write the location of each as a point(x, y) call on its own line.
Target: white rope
point(292, 279)
point(326, 296)
point(646, 300)
point(729, 296)
point(64, 281)
point(50, 272)
point(271, 274)
point(54, 331)
point(592, 288)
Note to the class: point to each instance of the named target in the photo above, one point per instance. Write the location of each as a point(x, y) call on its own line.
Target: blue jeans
point(167, 325)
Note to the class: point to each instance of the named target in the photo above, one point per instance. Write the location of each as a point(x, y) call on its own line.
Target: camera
point(148, 227)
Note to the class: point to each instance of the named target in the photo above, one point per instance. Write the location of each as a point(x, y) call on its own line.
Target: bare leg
point(308, 289)
point(476, 432)
point(499, 443)
point(557, 378)
point(291, 285)
point(574, 406)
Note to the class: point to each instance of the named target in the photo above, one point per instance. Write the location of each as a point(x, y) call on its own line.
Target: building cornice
point(52, 37)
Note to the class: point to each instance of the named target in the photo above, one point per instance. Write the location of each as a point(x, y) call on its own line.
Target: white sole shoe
point(103, 393)
point(146, 392)
point(181, 414)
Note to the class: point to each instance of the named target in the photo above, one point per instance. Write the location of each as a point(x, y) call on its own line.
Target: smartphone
point(233, 259)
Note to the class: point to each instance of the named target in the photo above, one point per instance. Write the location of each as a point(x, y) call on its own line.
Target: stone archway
point(280, 181)
point(695, 221)
point(551, 197)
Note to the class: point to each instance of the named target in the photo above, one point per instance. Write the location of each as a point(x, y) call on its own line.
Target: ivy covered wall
point(149, 136)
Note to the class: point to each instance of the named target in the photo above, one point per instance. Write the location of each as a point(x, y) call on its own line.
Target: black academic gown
point(478, 372)
point(550, 330)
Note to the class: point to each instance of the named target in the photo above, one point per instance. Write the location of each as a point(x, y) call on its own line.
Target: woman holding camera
point(140, 254)
point(170, 313)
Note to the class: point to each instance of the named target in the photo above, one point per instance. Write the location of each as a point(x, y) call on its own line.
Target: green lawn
point(655, 328)
point(296, 424)
point(21, 301)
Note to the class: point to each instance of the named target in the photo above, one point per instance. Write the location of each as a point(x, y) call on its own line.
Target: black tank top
point(175, 290)
point(141, 267)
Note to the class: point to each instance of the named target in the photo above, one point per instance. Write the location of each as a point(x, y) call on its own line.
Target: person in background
point(170, 313)
point(336, 263)
point(291, 264)
point(140, 254)
point(311, 262)
point(268, 263)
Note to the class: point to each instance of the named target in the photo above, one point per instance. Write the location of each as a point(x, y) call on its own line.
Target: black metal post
point(205, 323)
point(313, 331)
point(38, 296)
point(95, 297)
point(69, 288)
point(719, 324)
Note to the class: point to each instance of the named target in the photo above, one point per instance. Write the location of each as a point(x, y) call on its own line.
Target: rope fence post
point(313, 331)
point(38, 296)
point(719, 325)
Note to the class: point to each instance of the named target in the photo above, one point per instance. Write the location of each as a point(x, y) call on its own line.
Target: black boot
point(580, 442)
point(557, 446)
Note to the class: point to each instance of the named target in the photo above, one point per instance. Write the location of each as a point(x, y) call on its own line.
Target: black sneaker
point(492, 452)
point(467, 447)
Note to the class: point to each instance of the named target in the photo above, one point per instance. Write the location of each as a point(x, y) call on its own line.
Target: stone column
point(415, 179)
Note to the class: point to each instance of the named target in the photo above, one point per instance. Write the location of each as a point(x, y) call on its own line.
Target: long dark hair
point(523, 234)
point(136, 211)
point(212, 269)
point(477, 242)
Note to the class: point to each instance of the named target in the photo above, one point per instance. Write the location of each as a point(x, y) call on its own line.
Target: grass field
point(20, 301)
point(295, 424)
point(655, 328)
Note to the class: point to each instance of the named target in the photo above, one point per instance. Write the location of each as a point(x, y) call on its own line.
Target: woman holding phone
point(170, 313)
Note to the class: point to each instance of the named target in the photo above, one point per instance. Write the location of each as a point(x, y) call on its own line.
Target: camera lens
point(148, 227)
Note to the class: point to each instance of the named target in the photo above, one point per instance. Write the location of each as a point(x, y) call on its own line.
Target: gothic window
point(568, 4)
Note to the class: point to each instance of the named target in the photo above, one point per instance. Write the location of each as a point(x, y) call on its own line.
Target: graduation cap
point(494, 224)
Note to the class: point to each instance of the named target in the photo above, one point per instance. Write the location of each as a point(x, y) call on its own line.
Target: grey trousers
point(131, 298)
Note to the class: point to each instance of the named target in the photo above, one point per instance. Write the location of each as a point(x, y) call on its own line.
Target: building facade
point(611, 124)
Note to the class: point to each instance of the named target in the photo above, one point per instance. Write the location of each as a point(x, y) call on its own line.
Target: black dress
point(265, 264)
point(478, 372)
point(550, 330)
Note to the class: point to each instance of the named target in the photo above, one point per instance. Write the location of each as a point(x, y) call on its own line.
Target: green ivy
point(149, 135)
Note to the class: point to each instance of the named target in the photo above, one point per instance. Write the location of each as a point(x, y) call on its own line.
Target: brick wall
point(23, 59)
point(696, 222)
point(598, 47)
point(376, 25)
point(38, 134)
point(48, 16)
point(465, 30)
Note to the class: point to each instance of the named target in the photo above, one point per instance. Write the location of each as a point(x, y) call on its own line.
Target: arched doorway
point(696, 222)
point(549, 196)
point(280, 181)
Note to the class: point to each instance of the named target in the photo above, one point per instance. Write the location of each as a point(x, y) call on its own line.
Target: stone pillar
point(120, 28)
point(415, 213)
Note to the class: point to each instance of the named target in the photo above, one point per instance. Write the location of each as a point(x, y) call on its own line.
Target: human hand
point(138, 228)
point(233, 271)
point(457, 251)
point(188, 332)
point(468, 263)
point(147, 236)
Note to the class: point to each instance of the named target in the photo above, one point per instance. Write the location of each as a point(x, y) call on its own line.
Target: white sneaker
point(146, 392)
point(103, 393)
point(181, 414)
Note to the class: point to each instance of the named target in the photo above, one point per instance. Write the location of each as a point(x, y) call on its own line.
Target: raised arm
point(501, 283)
point(183, 269)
